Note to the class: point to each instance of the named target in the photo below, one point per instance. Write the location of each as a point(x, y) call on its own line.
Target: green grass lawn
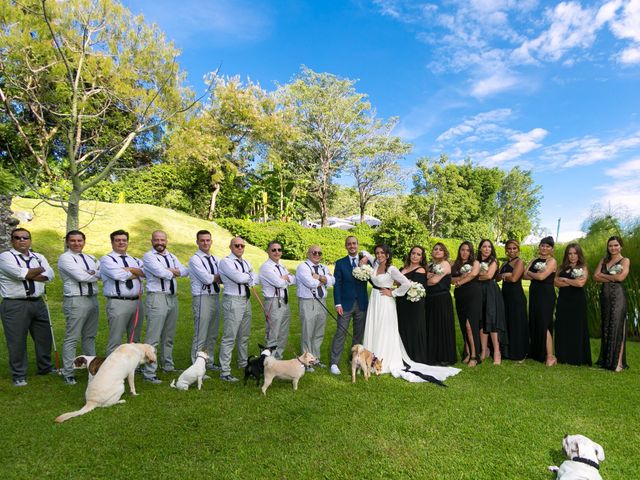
point(492, 422)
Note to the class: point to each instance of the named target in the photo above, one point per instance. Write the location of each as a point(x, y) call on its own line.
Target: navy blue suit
point(352, 295)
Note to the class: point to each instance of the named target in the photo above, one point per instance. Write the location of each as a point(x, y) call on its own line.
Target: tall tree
point(80, 82)
point(336, 123)
point(517, 200)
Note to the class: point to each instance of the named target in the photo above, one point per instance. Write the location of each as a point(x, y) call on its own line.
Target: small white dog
point(286, 369)
point(107, 385)
point(584, 457)
point(193, 373)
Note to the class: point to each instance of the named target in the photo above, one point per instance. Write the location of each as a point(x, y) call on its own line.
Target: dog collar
point(586, 461)
point(301, 362)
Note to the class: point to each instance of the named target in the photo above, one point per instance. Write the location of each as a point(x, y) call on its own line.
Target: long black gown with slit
point(542, 300)
point(412, 324)
point(469, 308)
point(515, 312)
point(613, 308)
point(441, 332)
point(571, 330)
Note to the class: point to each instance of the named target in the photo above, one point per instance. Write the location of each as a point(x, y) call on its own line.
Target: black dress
point(613, 308)
point(412, 324)
point(493, 319)
point(515, 313)
point(469, 307)
point(572, 331)
point(542, 300)
point(441, 332)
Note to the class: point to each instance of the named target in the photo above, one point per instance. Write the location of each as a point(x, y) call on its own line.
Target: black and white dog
point(584, 457)
point(255, 365)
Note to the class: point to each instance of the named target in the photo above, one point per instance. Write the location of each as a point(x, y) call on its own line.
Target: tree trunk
point(73, 210)
point(212, 205)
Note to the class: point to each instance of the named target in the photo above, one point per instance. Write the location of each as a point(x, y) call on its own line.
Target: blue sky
point(551, 86)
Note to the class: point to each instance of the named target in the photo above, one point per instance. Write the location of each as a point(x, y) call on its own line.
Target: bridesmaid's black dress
point(412, 324)
point(572, 331)
point(515, 313)
point(493, 319)
point(469, 307)
point(441, 332)
point(613, 308)
point(542, 300)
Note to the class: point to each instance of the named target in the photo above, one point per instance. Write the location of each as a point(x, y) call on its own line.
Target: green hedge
point(296, 239)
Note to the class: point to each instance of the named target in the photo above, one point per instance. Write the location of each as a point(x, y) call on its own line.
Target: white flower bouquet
point(577, 273)
point(362, 273)
point(437, 268)
point(615, 269)
point(416, 292)
point(539, 266)
point(484, 267)
point(466, 268)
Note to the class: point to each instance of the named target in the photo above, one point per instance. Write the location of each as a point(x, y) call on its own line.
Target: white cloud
point(588, 150)
point(481, 123)
point(523, 144)
point(627, 25)
point(630, 55)
point(493, 84)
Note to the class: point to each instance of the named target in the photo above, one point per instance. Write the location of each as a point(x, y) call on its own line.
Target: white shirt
point(201, 274)
point(156, 270)
point(270, 276)
point(114, 276)
point(74, 271)
point(237, 275)
point(307, 285)
point(13, 270)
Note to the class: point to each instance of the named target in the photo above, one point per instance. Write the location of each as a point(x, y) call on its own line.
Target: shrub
point(401, 232)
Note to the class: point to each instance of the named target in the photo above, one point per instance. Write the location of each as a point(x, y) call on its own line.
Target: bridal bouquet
point(484, 267)
point(539, 266)
point(362, 273)
point(416, 292)
point(437, 268)
point(615, 269)
point(464, 269)
point(577, 273)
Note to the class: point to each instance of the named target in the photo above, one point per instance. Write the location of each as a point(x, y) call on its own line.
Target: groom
point(350, 298)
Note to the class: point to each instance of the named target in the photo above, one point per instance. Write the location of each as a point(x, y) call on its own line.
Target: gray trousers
point(121, 316)
point(237, 327)
point(18, 318)
point(313, 319)
point(162, 319)
point(277, 329)
point(359, 318)
point(82, 315)
point(206, 325)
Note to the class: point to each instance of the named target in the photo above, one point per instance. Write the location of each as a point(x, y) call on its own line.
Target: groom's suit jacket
point(347, 289)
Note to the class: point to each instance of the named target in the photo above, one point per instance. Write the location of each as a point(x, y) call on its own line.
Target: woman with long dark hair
point(411, 315)
point(468, 295)
point(611, 272)
point(515, 303)
point(571, 329)
point(542, 300)
point(493, 322)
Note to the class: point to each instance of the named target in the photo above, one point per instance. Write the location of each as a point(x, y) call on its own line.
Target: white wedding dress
point(381, 335)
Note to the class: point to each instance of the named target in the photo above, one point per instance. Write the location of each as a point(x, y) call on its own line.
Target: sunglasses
point(238, 245)
point(316, 253)
point(276, 249)
point(18, 237)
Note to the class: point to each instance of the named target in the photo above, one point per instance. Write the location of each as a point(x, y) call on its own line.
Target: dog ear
point(599, 451)
point(80, 362)
point(150, 354)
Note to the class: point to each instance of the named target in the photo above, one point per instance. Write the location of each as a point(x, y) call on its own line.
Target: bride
point(381, 335)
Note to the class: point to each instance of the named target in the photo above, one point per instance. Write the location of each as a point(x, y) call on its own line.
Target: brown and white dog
point(584, 457)
point(286, 369)
point(91, 363)
point(363, 359)
point(107, 385)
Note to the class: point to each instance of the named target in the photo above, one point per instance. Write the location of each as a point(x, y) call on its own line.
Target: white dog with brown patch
point(286, 369)
point(107, 385)
point(584, 457)
point(195, 372)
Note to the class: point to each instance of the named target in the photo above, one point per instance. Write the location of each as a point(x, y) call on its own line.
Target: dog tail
point(86, 409)
point(173, 383)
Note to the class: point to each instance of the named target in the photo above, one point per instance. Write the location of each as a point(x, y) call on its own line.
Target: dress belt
point(124, 298)
point(26, 299)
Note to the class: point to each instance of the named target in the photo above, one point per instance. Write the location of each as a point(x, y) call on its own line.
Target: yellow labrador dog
point(363, 359)
point(584, 457)
point(286, 369)
point(107, 385)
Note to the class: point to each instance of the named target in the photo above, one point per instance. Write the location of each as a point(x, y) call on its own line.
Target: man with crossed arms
point(237, 277)
point(204, 273)
point(122, 286)
point(313, 279)
point(275, 279)
point(161, 269)
point(79, 273)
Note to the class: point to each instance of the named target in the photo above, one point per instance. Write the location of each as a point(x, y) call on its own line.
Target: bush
point(401, 232)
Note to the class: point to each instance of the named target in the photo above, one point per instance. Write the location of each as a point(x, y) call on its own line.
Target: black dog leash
point(334, 317)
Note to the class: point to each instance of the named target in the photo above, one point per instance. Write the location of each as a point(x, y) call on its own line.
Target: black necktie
point(172, 289)
point(246, 285)
point(319, 289)
point(286, 294)
point(31, 283)
point(128, 283)
point(87, 265)
point(216, 287)
point(353, 263)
